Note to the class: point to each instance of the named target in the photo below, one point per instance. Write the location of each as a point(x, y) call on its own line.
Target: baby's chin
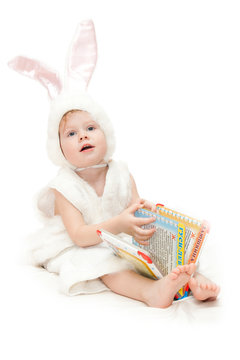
point(88, 164)
point(88, 159)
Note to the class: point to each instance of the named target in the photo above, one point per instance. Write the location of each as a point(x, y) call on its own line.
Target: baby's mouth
point(86, 147)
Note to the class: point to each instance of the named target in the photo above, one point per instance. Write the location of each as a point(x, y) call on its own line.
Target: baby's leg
point(203, 288)
point(155, 293)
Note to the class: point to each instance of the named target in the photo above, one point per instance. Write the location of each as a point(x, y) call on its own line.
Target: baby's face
point(82, 141)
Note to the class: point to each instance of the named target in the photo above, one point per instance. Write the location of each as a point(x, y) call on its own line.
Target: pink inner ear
point(38, 71)
point(83, 54)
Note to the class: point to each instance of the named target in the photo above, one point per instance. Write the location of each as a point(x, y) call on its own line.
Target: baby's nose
point(83, 136)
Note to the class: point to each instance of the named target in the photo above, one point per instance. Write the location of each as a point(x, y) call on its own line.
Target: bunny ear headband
point(70, 95)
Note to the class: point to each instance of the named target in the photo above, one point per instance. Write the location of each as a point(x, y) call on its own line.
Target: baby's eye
point(71, 133)
point(91, 128)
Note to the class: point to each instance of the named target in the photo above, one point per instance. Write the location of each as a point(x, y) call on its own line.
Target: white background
point(168, 76)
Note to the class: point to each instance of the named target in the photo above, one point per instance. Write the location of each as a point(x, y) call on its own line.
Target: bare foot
point(202, 288)
point(162, 292)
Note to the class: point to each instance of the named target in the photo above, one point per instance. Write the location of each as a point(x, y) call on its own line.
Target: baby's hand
point(131, 224)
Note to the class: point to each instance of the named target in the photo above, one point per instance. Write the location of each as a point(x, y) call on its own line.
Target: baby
point(91, 191)
point(84, 145)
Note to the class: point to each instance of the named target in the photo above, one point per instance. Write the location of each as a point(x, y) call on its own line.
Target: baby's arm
point(86, 235)
point(81, 234)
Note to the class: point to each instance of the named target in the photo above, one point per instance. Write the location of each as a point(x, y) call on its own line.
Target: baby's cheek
point(68, 148)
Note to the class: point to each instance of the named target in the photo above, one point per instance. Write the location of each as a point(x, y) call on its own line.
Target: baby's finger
point(143, 237)
point(145, 221)
point(133, 208)
point(144, 232)
point(143, 242)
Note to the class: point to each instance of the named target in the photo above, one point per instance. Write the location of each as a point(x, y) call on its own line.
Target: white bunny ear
point(83, 54)
point(38, 71)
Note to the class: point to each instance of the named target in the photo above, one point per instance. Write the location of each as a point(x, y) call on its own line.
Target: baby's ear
point(38, 71)
point(82, 57)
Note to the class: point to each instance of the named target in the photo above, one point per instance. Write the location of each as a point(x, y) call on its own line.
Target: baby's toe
point(176, 271)
point(193, 283)
point(204, 286)
point(191, 269)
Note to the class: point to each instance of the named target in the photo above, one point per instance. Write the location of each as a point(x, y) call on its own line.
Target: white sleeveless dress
point(79, 268)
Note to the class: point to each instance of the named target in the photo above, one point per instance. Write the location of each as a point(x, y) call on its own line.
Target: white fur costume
point(79, 268)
